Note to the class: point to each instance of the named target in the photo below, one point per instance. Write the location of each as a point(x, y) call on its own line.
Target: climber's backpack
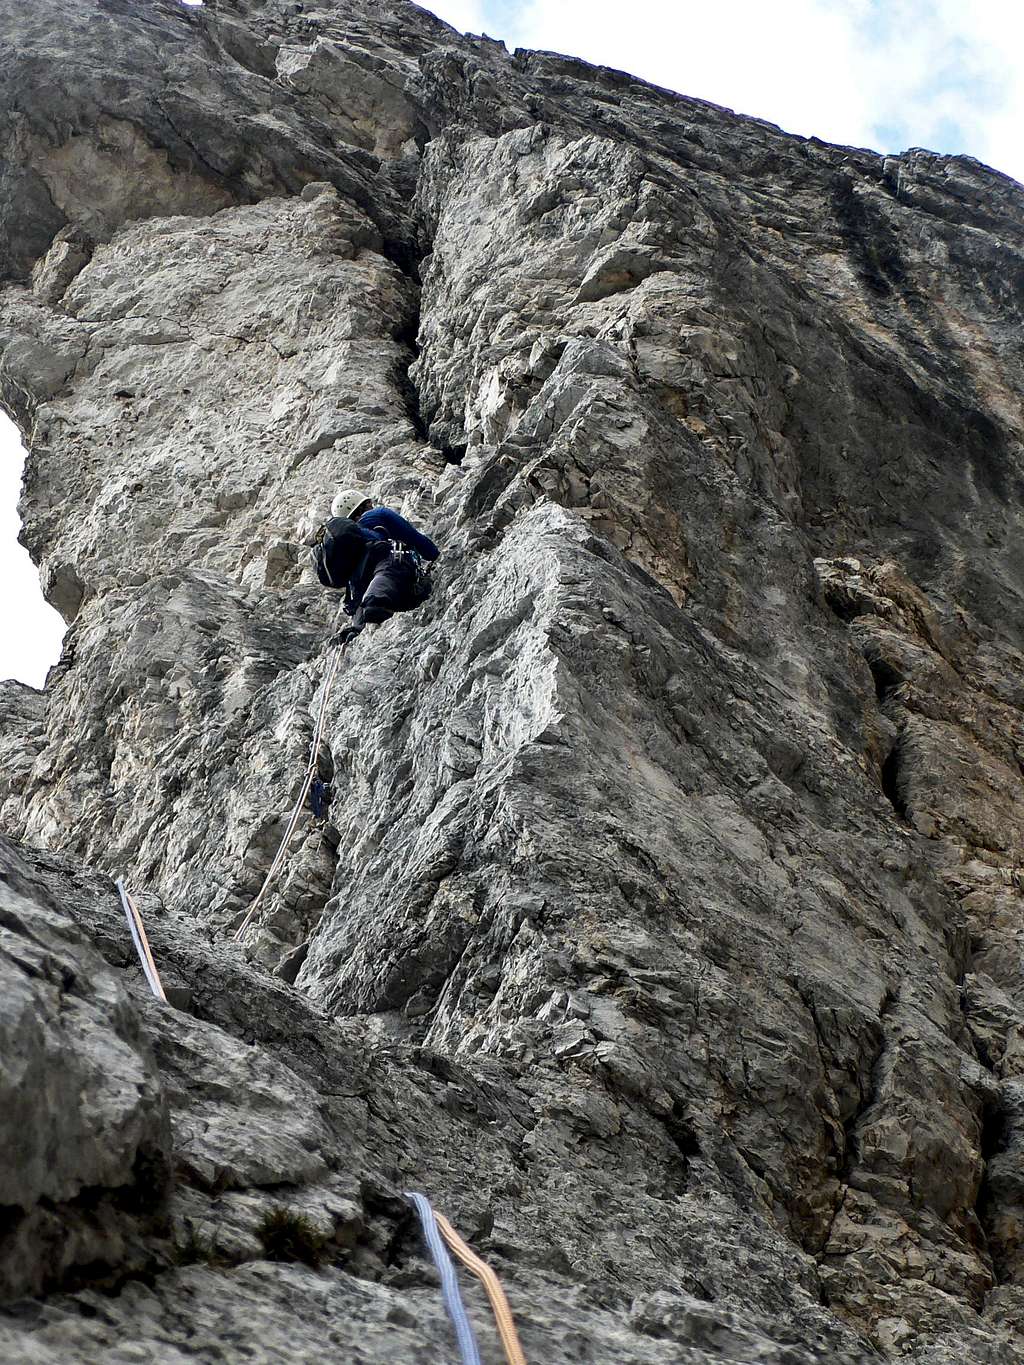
point(338, 551)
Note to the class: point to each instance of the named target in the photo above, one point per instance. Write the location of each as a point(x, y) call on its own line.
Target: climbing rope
point(138, 932)
point(491, 1283)
point(449, 1283)
point(310, 774)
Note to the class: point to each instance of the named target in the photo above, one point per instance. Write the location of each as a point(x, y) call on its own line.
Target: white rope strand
point(138, 932)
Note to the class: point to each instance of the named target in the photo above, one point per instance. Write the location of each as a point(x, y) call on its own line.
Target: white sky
point(30, 630)
point(887, 74)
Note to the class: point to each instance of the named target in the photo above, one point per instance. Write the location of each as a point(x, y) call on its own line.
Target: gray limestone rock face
point(83, 1114)
point(664, 923)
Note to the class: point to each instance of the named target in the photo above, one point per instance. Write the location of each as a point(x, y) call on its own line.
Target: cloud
point(887, 74)
point(465, 15)
point(32, 631)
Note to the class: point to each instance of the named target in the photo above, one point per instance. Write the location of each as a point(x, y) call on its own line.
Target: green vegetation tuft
point(195, 1249)
point(290, 1236)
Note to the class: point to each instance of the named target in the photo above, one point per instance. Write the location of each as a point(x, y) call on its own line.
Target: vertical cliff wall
point(665, 924)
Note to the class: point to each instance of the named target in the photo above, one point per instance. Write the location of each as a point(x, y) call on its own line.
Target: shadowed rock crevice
point(891, 781)
point(869, 1086)
point(408, 385)
point(998, 1199)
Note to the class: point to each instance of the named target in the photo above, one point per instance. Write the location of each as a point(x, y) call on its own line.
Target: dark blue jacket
point(384, 525)
point(388, 525)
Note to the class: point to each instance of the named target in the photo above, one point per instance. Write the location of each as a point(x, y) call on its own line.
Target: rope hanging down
point(491, 1283)
point(449, 1284)
point(138, 932)
point(296, 815)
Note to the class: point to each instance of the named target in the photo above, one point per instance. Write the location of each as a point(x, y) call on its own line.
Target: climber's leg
point(391, 589)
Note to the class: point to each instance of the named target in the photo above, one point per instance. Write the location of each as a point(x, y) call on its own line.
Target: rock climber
point(376, 555)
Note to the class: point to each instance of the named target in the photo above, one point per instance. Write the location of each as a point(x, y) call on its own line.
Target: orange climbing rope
point(307, 782)
point(491, 1283)
point(139, 938)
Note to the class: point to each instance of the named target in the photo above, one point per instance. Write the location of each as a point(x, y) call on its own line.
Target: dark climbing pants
point(392, 588)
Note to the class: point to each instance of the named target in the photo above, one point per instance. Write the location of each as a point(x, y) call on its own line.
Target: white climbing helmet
point(347, 502)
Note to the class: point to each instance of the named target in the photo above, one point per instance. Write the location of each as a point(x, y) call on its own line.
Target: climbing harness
point(492, 1285)
point(138, 932)
point(449, 1283)
point(307, 782)
point(435, 1223)
point(422, 583)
